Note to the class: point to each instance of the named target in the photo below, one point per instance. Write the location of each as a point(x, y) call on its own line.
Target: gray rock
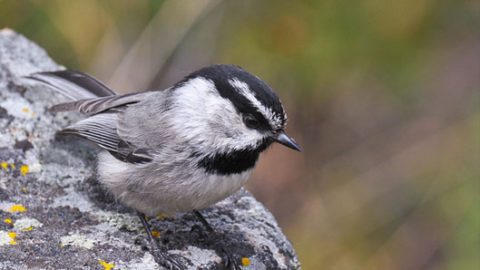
point(55, 215)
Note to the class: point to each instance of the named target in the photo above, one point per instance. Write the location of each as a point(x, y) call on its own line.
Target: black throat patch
point(233, 162)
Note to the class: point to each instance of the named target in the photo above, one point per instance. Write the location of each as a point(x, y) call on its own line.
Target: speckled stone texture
point(55, 215)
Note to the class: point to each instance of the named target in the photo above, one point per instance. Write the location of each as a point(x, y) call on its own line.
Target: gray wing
point(93, 98)
point(102, 130)
point(146, 124)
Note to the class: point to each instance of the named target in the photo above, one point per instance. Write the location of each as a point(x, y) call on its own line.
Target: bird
point(180, 149)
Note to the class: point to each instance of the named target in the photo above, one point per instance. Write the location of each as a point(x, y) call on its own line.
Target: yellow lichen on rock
point(162, 216)
point(27, 229)
point(245, 261)
point(12, 236)
point(106, 266)
point(17, 208)
point(26, 224)
point(24, 170)
point(155, 233)
point(8, 220)
point(4, 165)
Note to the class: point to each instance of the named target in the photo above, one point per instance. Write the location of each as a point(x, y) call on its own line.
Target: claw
point(166, 260)
point(161, 258)
point(229, 260)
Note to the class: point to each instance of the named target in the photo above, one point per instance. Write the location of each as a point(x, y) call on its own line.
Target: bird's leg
point(228, 259)
point(161, 257)
point(204, 221)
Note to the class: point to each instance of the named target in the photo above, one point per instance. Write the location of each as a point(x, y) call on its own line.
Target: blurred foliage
point(322, 43)
point(384, 97)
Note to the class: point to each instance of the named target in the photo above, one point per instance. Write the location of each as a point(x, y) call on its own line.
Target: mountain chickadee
point(177, 150)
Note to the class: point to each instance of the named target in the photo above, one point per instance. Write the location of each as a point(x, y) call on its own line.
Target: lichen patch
point(147, 262)
point(7, 238)
point(24, 169)
point(106, 265)
point(73, 199)
point(12, 207)
point(27, 224)
point(245, 262)
point(17, 107)
point(4, 165)
point(77, 240)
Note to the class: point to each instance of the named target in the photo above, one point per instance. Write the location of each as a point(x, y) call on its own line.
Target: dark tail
point(73, 84)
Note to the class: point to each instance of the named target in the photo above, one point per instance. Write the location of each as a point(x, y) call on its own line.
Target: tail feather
point(97, 105)
point(73, 84)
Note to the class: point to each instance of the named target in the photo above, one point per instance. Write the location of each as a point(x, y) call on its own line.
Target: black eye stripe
point(220, 75)
point(250, 121)
point(240, 102)
point(260, 122)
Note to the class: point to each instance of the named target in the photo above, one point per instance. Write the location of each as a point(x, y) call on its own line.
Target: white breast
point(152, 189)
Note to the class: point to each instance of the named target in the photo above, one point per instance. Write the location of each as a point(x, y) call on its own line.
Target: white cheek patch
point(243, 88)
point(197, 104)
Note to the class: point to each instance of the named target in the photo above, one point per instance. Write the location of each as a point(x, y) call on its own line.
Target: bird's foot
point(161, 257)
point(230, 261)
point(166, 260)
point(213, 238)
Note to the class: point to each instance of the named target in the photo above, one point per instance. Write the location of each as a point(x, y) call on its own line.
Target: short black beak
point(282, 138)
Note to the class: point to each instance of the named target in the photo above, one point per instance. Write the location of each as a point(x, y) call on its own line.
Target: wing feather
point(91, 97)
point(101, 130)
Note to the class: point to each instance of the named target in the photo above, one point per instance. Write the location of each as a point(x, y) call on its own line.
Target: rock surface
point(55, 215)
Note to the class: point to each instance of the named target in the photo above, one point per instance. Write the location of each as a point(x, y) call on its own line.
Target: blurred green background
point(384, 96)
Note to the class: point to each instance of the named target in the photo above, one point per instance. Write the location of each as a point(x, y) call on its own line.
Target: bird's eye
point(251, 121)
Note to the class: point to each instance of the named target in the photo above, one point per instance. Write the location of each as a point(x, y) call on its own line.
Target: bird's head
point(223, 108)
